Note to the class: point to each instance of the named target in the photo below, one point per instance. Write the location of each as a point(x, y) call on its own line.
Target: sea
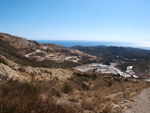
point(71, 43)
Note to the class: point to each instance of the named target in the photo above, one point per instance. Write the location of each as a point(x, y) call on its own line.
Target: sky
point(98, 20)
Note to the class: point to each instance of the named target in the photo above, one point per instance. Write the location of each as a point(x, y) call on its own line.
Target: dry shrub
point(74, 98)
point(106, 85)
point(85, 86)
point(116, 87)
point(87, 104)
point(100, 83)
point(18, 97)
point(118, 98)
point(67, 87)
point(54, 92)
point(100, 97)
point(126, 94)
point(86, 74)
point(107, 108)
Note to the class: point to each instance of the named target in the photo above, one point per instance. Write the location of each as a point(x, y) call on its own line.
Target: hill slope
point(27, 52)
point(112, 51)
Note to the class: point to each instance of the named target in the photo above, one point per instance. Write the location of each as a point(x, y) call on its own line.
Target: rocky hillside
point(12, 71)
point(27, 52)
point(58, 90)
point(51, 90)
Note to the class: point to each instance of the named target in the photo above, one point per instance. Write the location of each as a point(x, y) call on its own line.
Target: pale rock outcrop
point(8, 73)
point(10, 70)
point(8, 62)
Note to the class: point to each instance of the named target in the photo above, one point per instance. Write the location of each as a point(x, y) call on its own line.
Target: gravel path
point(37, 51)
point(142, 104)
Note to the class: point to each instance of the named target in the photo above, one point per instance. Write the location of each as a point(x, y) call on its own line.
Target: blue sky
point(102, 20)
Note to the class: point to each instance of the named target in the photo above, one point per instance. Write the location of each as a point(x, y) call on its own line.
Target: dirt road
point(142, 103)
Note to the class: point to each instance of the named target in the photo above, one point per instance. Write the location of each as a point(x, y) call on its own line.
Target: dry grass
point(18, 97)
point(99, 97)
point(74, 98)
point(107, 108)
point(82, 92)
point(103, 87)
point(87, 104)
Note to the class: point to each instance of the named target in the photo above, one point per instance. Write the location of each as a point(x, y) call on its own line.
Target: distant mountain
point(28, 52)
point(113, 51)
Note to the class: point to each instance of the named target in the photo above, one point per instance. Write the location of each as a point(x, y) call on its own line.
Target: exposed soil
point(142, 103)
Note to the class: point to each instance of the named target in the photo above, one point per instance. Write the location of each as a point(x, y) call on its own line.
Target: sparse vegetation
point(18, 97)
point(16, 55)
point(105, 90)
point(81, 92)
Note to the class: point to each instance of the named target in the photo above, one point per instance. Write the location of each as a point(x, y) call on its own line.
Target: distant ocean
point(68, 43)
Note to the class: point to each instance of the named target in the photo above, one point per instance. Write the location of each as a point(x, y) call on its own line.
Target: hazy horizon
point(71, 43)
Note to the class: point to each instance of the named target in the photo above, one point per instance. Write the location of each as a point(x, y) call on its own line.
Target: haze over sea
point(71, 43)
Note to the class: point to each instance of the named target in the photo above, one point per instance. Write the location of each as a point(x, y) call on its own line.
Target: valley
point(107, 69)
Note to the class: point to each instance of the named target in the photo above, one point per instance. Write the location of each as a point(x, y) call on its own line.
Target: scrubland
point(81, 93)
